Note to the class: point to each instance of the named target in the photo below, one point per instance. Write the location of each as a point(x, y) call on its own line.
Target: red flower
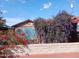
point(4, 37)
point(22, 34)
point(3, 47)
point(24, 42)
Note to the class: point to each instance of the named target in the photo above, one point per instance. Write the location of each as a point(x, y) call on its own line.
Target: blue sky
point(19, 10)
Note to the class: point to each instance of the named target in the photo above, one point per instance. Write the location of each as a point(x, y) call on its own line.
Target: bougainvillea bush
point(9, 40)
point(59, 29)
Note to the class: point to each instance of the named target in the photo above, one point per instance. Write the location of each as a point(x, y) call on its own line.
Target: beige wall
point(24, 26)
point(49, 48)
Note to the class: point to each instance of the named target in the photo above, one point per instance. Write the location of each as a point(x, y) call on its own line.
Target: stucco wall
point(53, 48)
point(47, 48)
point(28, 29)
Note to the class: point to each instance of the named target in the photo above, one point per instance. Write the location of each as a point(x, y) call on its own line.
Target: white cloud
point(72, 5)
point(4, 11)
point(46, 5)
point(13, 21)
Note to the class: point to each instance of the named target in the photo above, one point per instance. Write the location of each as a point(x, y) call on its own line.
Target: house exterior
point(3, 26)
point(78, 27)
point(75, 19)
point(26, 27)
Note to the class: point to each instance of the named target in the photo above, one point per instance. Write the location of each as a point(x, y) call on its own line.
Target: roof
point(5, 27)
point(22, 23)
point(75, 19)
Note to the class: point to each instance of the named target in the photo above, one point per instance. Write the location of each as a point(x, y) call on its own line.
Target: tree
point(62, 28)
point(40, 25)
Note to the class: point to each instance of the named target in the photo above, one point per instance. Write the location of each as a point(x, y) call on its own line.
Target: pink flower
point(5, 37)
point(14, 46)
point(22, 34)
point(3, 47)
